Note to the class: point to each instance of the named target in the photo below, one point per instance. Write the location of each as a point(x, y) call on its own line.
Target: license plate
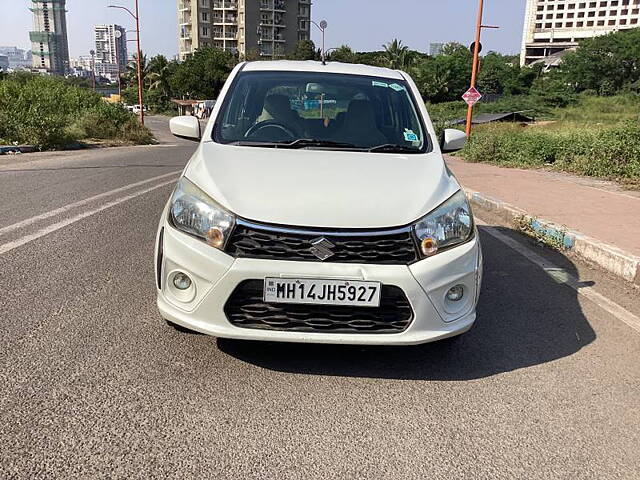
point(322, 292)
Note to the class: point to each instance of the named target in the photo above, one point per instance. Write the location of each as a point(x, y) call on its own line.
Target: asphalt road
point(93, 384)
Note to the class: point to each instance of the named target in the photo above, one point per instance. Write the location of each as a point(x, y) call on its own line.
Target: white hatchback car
point(318, 208)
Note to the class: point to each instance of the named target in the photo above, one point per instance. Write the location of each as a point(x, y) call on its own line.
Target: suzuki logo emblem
point(321, 248)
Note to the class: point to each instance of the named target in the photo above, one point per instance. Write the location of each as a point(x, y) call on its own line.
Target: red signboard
point(472, 96)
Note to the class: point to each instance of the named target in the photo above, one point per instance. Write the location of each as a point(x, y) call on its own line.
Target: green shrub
point(50, 113)
point(612, 152)
point(111, 121)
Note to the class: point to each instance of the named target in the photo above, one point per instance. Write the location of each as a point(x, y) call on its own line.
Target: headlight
point(448, 225)
point(195, 213)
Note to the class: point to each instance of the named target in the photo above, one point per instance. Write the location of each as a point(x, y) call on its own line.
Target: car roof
point(314, 66)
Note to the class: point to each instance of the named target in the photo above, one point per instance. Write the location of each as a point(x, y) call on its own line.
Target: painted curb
point(608, 257)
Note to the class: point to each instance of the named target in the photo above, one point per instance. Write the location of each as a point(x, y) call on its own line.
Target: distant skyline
point(364, 25)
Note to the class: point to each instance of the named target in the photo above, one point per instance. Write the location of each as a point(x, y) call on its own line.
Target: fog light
point(181, 281)
point(429, 246)
point(455, 294)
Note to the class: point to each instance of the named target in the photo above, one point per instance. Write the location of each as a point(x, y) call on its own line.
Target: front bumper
point(215, 275)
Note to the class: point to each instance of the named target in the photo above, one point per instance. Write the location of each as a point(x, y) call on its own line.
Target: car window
point(266, 107)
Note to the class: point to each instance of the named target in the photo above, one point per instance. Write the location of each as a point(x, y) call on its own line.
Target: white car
point(318, 208)
point(135, 108)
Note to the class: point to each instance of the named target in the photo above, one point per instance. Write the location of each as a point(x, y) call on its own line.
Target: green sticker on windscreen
point(379, 84)
point(396, 87)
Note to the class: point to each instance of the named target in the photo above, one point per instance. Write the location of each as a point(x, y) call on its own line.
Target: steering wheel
point(270, 124)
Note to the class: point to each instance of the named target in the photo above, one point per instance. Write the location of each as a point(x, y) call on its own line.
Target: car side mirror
point(453, 140)
point(185, 126)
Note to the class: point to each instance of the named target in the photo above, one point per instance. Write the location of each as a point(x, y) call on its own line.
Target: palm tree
point(159, 76)
point(398, 56)
point(131, 74)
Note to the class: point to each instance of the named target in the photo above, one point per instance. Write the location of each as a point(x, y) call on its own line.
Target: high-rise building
point(435, 49)
point(553, 26)
point(111, 50)
point(49, 45)
point(266, 28)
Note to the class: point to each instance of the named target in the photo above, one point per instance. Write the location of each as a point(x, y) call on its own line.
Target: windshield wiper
point(299, 143)
point(393, 148)
point(314, 142)
point(247, 143)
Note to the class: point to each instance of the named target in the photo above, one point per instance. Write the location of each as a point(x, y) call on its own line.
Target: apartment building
point(49, 45)
point(553, 26)
point(17, 57)
point(268, 28)
point(111, 50)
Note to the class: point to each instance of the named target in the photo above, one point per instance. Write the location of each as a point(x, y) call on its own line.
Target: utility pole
point(476, 60)
point(136, 17)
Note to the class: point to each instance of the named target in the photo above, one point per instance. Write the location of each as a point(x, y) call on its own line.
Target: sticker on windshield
point(379, 84)
point(396, 87)
point(410, 136)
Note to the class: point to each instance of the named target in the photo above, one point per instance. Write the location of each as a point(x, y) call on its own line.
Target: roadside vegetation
point(50, 112)
point(586, 112)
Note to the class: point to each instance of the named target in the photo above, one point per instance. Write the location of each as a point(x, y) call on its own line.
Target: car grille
point(246, 308)
point(387, 247)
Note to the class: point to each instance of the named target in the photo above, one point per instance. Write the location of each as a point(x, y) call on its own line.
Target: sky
point(362, 24)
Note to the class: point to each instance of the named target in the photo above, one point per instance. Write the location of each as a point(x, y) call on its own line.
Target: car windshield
point(320, 110)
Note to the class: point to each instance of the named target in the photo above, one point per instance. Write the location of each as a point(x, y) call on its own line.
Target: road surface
point(93, 384)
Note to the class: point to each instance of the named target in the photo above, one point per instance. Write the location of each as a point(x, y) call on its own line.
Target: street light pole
point(93, 69)
point(118, 35)
point(322, 27)
point(136, 17)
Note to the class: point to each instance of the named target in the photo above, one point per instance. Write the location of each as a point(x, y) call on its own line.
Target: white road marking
point(71, 206)
point(560, 275)
point(7, 247)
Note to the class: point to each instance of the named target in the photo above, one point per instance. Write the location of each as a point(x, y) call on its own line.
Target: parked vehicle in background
point(136, 108)
point(318, 208)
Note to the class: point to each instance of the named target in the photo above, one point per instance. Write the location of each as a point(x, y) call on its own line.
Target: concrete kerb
point(608, 257)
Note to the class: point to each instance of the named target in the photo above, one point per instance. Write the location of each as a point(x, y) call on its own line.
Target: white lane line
point(7, 247)
point(71, 206)
point(562, 276)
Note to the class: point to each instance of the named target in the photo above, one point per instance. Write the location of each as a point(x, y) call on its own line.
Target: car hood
point(322, 188)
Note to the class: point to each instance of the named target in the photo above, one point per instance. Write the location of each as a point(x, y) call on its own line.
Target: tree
point(553, 90)
point(444, 77)
point(131, 75)
point(202, 75)
point(398, 56)
point(344, 54)
point(498, 74)
point(159, 77)
point(606, 63)
point(305, 50)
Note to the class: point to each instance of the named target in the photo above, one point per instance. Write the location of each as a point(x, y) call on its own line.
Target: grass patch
point(604, 151)
point(597, 137)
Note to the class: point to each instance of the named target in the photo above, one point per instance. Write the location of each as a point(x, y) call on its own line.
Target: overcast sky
point(362, 24)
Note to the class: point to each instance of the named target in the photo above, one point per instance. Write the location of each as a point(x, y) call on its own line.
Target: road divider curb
point(608, 257)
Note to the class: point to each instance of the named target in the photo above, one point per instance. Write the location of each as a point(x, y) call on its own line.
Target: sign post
point(472, 93)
